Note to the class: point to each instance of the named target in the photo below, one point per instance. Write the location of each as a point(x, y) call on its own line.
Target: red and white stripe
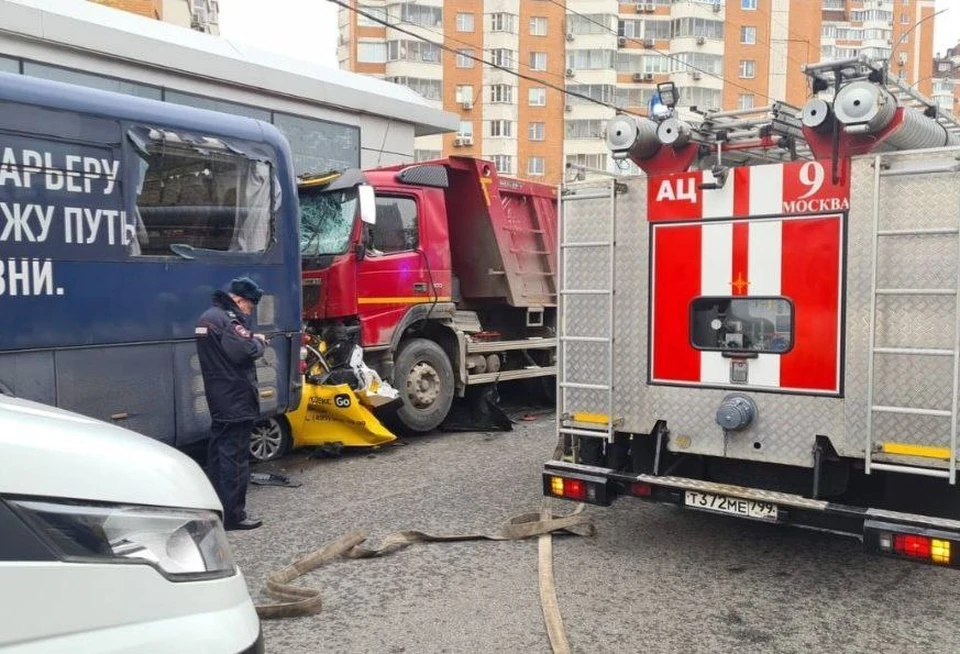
point(797, 258)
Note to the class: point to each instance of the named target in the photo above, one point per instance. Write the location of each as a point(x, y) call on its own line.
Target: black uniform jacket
point(228, 351)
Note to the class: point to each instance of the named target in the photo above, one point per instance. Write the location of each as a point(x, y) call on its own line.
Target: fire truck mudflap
point(767, 326)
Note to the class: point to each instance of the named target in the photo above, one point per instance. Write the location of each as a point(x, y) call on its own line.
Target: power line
point(530, 78)
point(659, 52)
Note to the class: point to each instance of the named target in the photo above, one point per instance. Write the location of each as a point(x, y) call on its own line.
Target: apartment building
point(200, 15)
point(608, 56)
point(946, 80)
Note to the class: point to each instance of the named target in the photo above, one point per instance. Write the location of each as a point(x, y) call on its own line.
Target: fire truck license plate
point(732, 505)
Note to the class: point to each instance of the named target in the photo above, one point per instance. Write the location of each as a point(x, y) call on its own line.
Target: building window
point(536, 166)
point(503, 163)
point(502, 22)
point(538, 61)
point(431, 89)
point(537, 132)
point(396, 226)
point(595, 161)
point(426, 155)
point(374, 12)
point(538, 26)
point(371, 53)
point(501, 128)
point(428, 53)
point(748, 35)
point(537, 97)
point(590, 59)
point(421, 15)
point(748, 4)
point(466, 128)
point(905, 18)
point(464, 93)
point(590, 23)
point(465, 22)
point(464, 58)
point(501, 94)
point(748, 69)
point(745, 101)
point(687, 27)
point(503, 57)
point(583, 129)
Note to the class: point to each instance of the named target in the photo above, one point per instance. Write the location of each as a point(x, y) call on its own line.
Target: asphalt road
point(653, 579)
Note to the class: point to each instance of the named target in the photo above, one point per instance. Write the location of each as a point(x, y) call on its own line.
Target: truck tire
point(424, 377)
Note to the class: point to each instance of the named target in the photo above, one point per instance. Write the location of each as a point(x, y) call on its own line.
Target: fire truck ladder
point(573, 422)
point(896, 449)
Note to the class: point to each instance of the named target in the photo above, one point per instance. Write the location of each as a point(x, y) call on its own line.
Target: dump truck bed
point(502, 234)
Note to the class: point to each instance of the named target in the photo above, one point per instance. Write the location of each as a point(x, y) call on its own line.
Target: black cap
point(246, 288)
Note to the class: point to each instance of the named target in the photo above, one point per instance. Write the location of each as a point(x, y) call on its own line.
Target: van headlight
point(183, 544)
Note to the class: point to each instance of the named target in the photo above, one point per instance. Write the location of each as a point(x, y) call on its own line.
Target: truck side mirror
point(368, 204)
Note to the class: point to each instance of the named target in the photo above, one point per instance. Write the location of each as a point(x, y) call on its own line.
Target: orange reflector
point(940, 551)
point(556, 486)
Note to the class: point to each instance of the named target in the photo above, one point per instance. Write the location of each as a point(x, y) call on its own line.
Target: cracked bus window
point(744, 324)
point(200, 194)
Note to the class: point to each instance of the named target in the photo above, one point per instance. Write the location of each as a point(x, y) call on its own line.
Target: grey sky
point(307, 29)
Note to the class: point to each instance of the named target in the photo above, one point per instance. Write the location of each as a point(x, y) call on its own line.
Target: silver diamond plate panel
point(788, 424)
point(906, 202)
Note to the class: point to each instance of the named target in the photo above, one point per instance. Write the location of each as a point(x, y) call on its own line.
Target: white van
point(111, 542)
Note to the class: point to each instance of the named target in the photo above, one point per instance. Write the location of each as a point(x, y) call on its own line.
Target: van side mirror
point(368, 204)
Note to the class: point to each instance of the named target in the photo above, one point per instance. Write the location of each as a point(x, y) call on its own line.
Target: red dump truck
point(442, 271)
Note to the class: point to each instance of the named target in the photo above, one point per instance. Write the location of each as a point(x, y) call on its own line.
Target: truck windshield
point(326, 222)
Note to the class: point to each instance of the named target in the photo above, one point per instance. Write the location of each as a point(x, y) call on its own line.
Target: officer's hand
point(261, 337)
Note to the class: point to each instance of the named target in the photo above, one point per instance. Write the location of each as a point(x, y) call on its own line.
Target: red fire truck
point(442, 271)
point(766, 323)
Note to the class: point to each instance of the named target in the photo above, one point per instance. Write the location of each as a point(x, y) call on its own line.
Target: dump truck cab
point(442, 271)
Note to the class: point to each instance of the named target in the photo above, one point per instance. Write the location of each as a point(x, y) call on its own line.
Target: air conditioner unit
point(569, 72)
point(651, 8)
point(648, 43)
point(648, 77)
point(701, 40)
point(717, 7)
point(467, 104)
point(570, 36)
point(568, 108)
point(641, 7)
point(695, 74)
point(638, 77)
point(458, 141)
point(621, 41)
point(467, 140)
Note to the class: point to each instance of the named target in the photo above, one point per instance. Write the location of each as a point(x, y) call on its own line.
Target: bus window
point(198, 193)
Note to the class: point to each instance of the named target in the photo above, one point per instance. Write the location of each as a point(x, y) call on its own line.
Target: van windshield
point(326, 222)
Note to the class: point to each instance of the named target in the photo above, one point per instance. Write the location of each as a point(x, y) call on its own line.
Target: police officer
point(228, 351)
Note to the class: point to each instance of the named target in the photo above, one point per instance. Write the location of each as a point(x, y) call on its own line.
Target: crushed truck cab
point(766, 325)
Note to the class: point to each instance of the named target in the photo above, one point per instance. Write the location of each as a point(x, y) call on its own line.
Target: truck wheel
point(270, 439)
point(424, 378)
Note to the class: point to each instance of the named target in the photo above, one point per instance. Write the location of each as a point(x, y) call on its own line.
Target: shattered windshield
point(326, 222)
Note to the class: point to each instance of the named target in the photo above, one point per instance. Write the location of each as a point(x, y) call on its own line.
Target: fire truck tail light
point(640, 489)
point(915, 546)
point(577, 489)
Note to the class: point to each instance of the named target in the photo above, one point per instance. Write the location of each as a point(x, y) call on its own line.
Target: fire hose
point(297, 601)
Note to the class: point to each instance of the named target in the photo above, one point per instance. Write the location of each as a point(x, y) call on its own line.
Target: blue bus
point(119, 217)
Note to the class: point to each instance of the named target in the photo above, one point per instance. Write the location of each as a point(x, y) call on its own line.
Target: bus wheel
point(424, 377)
point(270, 439)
